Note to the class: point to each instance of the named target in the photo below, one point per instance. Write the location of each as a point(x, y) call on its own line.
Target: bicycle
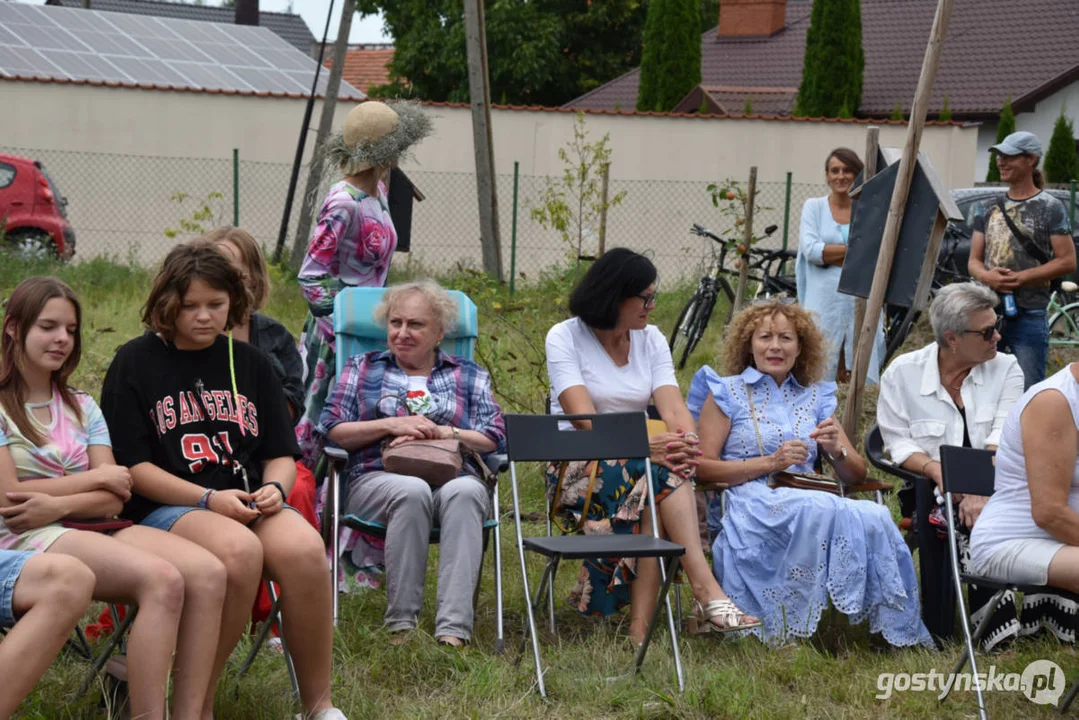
point(1063, 312)
point(692, 322)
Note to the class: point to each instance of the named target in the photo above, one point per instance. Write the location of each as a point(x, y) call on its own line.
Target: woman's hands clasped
point(414, 427)
point(792, 452)
point(676, 451)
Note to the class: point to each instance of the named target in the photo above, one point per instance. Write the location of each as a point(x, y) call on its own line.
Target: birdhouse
point(928, 210)
point(401, 194)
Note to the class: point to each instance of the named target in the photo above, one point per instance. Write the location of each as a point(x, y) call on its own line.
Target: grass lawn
point(833, 675)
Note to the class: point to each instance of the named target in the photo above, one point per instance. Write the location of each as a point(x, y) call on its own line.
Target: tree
point(945, 111)
point(671, 54)
point(1005, 127)
point(540, 52)
point(1061, 162)
point(834, 60)
point(897, 111)
point(573, 203)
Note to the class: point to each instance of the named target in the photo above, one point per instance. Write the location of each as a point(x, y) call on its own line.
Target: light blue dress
point(782, 554)
point(818, 288)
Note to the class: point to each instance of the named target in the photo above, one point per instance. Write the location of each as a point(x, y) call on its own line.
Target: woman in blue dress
point(822, 248)
point(782, 554)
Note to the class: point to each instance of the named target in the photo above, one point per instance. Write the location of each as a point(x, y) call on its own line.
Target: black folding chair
point(538, 438)
point(971, 472)
point(937, 591)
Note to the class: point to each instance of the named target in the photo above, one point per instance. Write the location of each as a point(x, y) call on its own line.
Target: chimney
point(247, 12)
point(751, 18)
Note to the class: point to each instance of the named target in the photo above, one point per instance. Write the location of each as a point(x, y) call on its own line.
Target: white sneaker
point(327, 714)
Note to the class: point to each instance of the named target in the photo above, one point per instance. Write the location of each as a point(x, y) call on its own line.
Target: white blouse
point(916, 414)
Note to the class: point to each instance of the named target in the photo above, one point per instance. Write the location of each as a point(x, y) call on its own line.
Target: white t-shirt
point(1008, 514)
point(576, 357)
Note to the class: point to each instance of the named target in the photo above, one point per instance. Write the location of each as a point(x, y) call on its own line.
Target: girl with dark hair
point(57, 464)
point(204, 426)
point(822, 247)
point(605, 359)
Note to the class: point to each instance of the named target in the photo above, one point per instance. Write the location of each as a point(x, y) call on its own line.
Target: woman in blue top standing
point(783, 554)
point(822, 247)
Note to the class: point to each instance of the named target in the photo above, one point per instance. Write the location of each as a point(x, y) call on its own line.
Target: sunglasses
point(987, 333)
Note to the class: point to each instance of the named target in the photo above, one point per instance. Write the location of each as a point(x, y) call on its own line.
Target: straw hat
point(376, 135)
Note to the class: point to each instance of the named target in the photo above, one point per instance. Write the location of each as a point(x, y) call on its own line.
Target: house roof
point(288, 26)
point(366, 65)
point(983, 61)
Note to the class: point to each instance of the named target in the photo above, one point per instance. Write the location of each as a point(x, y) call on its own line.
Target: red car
point(33, 213)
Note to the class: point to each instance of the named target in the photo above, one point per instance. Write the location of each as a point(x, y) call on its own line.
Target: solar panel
point(69, 43)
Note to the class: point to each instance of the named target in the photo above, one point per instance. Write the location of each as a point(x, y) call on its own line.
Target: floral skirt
point(615, 506)
point(319, 371)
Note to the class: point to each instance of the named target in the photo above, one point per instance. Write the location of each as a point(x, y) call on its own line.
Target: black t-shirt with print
point(154, 415)
point(1038, 217)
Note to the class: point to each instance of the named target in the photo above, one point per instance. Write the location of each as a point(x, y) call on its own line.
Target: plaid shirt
point(460, 389)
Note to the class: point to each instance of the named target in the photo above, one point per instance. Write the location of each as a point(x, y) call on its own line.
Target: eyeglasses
point(649, 300)
point(987, 333)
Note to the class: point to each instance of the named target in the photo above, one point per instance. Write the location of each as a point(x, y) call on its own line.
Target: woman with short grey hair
point(955, 391)
point(412, 391)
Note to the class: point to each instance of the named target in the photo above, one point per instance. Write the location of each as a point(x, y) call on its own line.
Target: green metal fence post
point(236, 187)
point(513, 236)
point(787, 212)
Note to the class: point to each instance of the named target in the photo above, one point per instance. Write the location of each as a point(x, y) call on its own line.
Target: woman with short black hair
point(608, 359)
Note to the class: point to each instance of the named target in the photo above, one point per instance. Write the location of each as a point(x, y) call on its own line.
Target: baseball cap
point(1020, 143)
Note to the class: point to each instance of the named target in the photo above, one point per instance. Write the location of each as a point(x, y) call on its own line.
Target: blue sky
point(364, 30)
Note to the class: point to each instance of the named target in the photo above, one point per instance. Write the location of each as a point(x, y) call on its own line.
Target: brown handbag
point(436, 461)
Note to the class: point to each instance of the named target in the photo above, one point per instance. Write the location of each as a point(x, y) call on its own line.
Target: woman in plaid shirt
point(412, 391)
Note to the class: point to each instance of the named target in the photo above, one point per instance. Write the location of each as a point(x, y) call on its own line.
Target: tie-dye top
point(64, 453)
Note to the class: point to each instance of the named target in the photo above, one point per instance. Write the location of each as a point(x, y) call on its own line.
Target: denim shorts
point(166, 516)
point(11, 563)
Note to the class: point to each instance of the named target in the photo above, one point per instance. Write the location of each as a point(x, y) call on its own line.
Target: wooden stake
point(747, 237)
point(864, 346)
point(311, 195)
point(479, 93)
point(872, 145)
point(603, 210)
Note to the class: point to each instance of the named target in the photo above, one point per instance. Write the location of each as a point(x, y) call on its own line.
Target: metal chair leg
point(980, 630)
point(671, 570)
point(524, 581)
point(276, 600)
point(260, 637)
point(500, 639)
point(333, 500)
point(119, 628)
point(80, 644)
point(954, 553)
point(1071, 696)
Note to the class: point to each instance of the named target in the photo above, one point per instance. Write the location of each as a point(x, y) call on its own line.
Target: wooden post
point(747, 237)
point(325, 126)
point(872, 145)
point(864, 347)
point(603, 210)
point(479, 93)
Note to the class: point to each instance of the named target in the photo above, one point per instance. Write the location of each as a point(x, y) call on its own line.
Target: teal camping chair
point(356, 333)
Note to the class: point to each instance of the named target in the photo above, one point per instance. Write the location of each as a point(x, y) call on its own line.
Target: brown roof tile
point(984, 59)
point(366, 66)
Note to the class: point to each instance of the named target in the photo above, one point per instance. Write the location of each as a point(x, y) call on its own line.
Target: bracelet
point(692, 435)
point(279, 487)
point(927, 462)
point(456, 433)
point(204, 501)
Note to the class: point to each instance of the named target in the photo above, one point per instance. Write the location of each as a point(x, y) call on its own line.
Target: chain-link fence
point(137, 207)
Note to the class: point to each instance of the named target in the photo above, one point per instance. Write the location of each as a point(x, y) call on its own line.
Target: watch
point(456, 433)
point(841, 456)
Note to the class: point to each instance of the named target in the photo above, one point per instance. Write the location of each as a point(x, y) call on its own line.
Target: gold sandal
point(732, 617)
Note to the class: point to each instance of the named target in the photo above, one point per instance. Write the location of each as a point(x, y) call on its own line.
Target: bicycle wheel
point(689, 327)
point(1064, 326)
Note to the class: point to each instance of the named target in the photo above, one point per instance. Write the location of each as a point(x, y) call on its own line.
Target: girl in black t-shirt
point(204, 426)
